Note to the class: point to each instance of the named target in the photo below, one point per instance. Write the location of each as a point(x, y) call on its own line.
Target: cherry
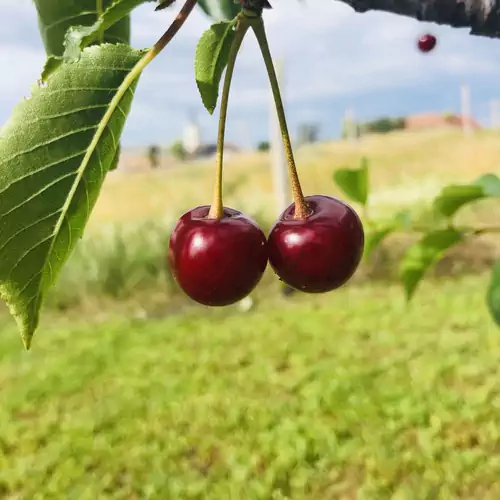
point(320, 252)
point(426, 42)
point(217, 262)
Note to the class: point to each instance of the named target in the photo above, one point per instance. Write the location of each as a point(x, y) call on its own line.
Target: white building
point(192, 137)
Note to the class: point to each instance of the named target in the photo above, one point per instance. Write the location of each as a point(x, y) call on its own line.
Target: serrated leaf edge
point(27, 329)
point(85, 39)
point(230, 24)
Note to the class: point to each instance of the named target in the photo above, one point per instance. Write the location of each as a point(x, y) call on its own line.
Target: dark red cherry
point(319, 252)
point(217, 261)
point(427, 42)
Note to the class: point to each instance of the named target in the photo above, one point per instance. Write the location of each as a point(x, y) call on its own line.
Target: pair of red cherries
point(218, 262)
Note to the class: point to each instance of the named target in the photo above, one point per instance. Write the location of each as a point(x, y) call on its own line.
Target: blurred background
point(131, 391)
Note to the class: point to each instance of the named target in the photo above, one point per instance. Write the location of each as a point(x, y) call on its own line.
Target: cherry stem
point(162, 42)
point(217, 209)
point(301, 208)
point(173, 28)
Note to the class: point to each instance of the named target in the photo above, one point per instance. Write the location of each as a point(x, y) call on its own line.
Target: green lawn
point(350, 395)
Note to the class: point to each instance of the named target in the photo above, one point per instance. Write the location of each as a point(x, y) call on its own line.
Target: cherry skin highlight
point(427, 42)
point(217, 262)
point(320, 252)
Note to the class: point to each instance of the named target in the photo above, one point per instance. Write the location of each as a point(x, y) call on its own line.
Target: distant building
point(204, 151)
point(192, 137)
point(425, 121)
point(194, 146)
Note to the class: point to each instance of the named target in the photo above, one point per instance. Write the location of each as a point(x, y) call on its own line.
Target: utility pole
point(465, 109)
point(350, 125)
point(494, 113)
point(245, 135)
point(278, 161)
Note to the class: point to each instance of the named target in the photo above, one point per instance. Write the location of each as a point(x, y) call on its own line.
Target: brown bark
point(481, 16)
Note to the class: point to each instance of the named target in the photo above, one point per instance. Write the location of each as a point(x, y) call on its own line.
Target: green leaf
point(421, 256)
point(453, 197)
point(54, 154)
point(354, 182)
point(403, 219)
point(79, 37)
point(374, 237)
point(493, 294)
point(220, 10)
point(116, 159)
point(212, 54)
point(163, 4)
point(490, 184)
point(51, 64)
point(55, 17)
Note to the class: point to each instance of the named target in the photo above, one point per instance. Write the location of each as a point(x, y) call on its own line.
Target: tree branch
point(482, 16)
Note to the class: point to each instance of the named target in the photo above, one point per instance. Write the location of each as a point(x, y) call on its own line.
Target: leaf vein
point(80, 89)
point(86, 190)
point(24, 228)
point(101, 166)
point(48, 143)
point(68, 18)
point(115, 144)
point(121, 111)
point(69, 113)
point(25, 254)
point(27, 284)
point(38, 193)
point(70, 236)
point(45, 167)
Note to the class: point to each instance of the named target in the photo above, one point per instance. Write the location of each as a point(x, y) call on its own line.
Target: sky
point(334, 59)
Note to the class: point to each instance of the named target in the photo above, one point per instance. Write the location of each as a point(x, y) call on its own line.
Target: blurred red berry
point(426, 42)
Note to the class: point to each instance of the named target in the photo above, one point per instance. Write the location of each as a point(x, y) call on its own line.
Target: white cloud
point(333, 56)
point(22, 66)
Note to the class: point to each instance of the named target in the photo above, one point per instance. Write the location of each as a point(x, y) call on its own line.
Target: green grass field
point(350, 395)
point(129, 393)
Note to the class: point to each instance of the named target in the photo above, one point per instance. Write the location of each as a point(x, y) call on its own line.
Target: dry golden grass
point(405, 169)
